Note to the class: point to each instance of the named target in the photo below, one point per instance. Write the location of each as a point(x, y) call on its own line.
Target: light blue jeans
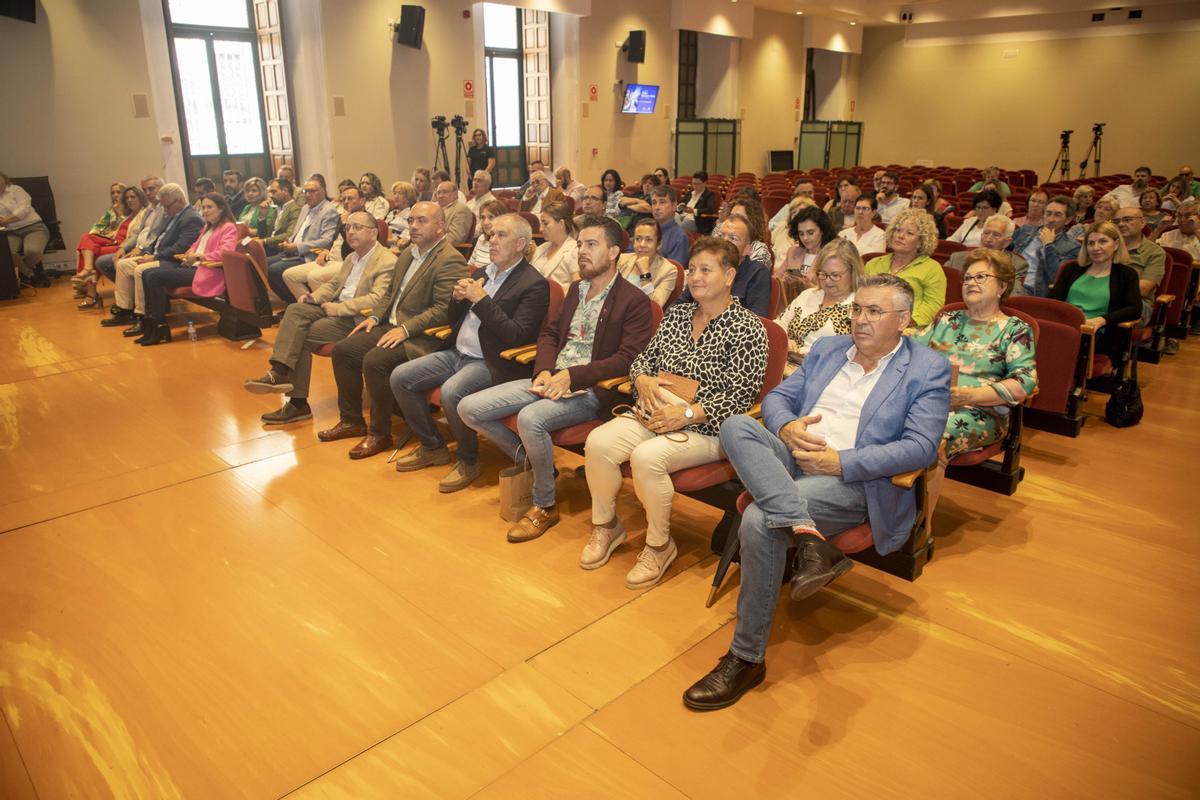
point(784, 498)
point(458, 376)
point(537, 418)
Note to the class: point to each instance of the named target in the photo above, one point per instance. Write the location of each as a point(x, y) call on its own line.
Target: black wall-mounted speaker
point(635, 47)
point(411, 26)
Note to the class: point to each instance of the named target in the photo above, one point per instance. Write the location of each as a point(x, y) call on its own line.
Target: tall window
point(517, 80)
point(215, 60)
point(688, 59)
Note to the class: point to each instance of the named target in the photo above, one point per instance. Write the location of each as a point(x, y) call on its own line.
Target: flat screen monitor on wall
point(639, 99)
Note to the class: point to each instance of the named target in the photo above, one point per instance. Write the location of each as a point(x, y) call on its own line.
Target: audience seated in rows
point(890, 201)
point(983, 205)
point(326, 262)
point(497, 308)
point(824, 309)
point(821, 463)
point(201, 269)
point(1128, 195)
point(1046, 246)
point(709, 341)
point(316, 226)
point(912, 238)
point(604, 322)
point(803, 188)
point(138, 241)
point(557, 258)
point(646, 268)
point(997, 235)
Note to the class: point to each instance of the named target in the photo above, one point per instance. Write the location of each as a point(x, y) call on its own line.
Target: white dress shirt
point(840, 405)
point(357, 267)
point(418, 260)
point(468, 335)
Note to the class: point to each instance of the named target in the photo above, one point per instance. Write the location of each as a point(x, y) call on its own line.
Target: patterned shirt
point(729, 360)
point(582, 331)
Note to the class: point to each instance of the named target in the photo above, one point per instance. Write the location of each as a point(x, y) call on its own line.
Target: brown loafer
point(535, 522)
point(343, 430)
point(370, 446)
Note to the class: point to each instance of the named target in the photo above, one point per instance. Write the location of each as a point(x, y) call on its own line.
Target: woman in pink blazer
point(201, 268)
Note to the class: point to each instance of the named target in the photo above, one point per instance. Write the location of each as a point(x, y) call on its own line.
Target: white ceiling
point(887, 12)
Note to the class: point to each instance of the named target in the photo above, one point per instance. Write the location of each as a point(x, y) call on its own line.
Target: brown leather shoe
point(343, 430)
point(370, 446)
point(535, 522)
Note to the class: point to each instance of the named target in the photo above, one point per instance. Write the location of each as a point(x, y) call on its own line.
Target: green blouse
point(1090, 295)
point(926, 278)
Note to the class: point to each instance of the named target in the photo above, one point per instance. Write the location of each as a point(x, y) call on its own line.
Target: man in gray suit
point(997, 234)
point(326, 316)
point(315, 230)
point(459, 219)
point(421, 286)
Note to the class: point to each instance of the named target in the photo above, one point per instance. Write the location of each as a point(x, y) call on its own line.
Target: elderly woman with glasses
point(823, 310)
point(991, 353)
point(912, 236)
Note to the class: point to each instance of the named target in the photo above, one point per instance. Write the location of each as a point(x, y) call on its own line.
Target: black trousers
point(158, 282)
point(355, 359)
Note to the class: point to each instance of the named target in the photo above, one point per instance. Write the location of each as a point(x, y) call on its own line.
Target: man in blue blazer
point(315, 229)
point(861, 409)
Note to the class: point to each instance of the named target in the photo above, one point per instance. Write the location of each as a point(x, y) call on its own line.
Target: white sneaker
point(651, 566)
point(600, 545)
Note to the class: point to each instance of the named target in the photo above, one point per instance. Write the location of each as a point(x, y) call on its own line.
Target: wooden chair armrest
point(626, 388)
point(1165, 299)
point(527, 357)
point(1088, 328)
point(612, 383)
point(755, 411)
point(1130, 324)
point(512, 353)
point(906, 480)
point(218, 265)
point(441, 332)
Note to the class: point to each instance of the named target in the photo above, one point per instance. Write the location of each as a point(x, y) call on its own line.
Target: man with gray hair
point(459, 219)
point(481, 191)
point(181, 227)
point(860, 409)
point(997, 234)
point(539, 194)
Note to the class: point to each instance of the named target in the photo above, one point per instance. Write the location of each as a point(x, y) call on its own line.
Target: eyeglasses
point(869, 313)
point(829, 276)
point(978, 278)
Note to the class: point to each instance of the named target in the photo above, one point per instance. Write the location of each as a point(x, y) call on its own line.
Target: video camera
point(459, 124)
point(439, 124)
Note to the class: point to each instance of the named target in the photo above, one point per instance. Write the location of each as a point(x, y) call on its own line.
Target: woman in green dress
point(994, 356)
point(259, 213)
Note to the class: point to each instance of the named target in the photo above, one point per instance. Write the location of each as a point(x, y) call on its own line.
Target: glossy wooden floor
point(194, 606)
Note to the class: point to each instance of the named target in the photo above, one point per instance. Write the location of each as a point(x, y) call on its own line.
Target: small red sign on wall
point(469, 90)
point(593, 92)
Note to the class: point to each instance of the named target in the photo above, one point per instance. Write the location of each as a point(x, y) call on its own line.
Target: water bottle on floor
point(192, 331)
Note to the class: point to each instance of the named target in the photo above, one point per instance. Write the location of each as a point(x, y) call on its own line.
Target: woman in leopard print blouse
point(710, 339)
point(825, 309)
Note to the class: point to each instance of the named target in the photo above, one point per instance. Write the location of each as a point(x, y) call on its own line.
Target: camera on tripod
point(459, 124)
point(439, 124)
point(1065, 136)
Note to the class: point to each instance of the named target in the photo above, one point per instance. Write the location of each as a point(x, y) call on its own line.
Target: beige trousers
point(307, 277)
point(130, 292)
point(652, 459)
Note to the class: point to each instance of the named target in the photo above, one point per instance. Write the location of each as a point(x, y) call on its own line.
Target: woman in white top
point(481, 255)
point(404, 195)
point(644, 267)
point(558, 257)
point(984, 204)
point(865, 236)
point(374, 202)
point(825, 309)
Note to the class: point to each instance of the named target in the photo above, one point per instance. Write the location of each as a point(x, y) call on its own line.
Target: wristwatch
point(688, 413)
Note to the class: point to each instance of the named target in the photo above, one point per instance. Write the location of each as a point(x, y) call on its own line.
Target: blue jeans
point(784, 497)
point(537, 418)
point(106, 264)
point(458, 376)
point(276, 266)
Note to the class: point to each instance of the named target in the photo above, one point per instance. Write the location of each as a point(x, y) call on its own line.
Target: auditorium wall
point(1006, 102)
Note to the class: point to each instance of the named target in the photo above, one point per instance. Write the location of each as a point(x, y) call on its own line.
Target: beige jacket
point(373, 286)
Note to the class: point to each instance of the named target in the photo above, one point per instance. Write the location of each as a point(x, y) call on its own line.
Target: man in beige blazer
point(419, 299)
point(459, 219)
point(326, 316)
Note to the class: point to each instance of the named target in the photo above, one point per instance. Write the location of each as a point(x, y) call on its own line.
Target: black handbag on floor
point(1124, 408)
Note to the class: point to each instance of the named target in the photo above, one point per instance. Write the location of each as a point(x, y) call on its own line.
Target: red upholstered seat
point(680, 279)
point(973, 457)
point(325, 350)
point(953, 284)
point(180, 292)
point(1058, 349)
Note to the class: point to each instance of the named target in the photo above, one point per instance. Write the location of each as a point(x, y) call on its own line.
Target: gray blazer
point(321, 229)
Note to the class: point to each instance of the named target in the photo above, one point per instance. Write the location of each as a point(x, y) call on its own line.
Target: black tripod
point(460, 155)
point(439, 152)
point(1097, 133)
point(1064, 156)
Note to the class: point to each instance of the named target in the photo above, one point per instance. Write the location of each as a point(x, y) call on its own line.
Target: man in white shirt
point(860, 409)
point(890, 201)
point(481, 191)
point(1129, 195)
point(1184, 237)
point(569, 186)
point(326, 316)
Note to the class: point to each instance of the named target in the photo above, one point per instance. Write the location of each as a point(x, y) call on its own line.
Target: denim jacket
point(1063, 248)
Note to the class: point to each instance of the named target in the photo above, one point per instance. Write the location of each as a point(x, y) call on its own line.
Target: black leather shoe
point(119, 317)
point(160, 333)
point(137, 328)
point(725, 685)
point(818, 563)
point(289, 413)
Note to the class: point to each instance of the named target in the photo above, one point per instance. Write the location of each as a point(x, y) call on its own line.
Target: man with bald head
point(1145, 256)
point(325, 316)
point(459, 219)
point(393, 332)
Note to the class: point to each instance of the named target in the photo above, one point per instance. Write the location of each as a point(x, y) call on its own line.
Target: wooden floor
point(194, 606)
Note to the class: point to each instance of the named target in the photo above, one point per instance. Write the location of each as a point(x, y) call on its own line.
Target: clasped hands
point(658, 414)
point(551, 386)
point(470, 290)
point(809, 450)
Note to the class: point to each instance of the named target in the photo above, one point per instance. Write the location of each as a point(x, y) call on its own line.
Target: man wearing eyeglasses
point(1184, 237)
point(594, 203)
point(1145, 256)
point(326, 316)
point(315, 230)
point(997, 234)
point(860, 409)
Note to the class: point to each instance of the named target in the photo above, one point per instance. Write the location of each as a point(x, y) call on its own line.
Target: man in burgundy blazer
point(605, 321)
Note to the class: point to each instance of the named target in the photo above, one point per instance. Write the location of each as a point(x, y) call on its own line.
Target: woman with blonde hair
point(1101, 284)
point(912, 236)
point(404, 195)
point(823, 310)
